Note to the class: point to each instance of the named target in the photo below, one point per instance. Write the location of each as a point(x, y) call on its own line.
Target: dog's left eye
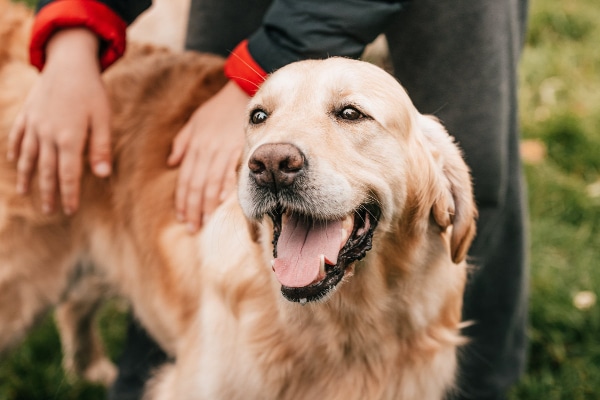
point(258, 116)
point(350, 114)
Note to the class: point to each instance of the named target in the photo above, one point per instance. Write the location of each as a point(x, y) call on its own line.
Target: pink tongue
point(299, 247)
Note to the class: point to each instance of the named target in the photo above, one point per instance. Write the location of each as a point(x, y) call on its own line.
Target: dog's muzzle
point(312, 252)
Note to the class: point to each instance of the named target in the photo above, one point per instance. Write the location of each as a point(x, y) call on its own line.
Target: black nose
point(276, 165)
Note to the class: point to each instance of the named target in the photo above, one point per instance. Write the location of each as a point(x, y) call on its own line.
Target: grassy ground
point(33, 371)
point(560, 108)
point(560, 114)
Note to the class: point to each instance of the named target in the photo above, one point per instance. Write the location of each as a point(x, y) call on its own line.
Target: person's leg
point(458, 60)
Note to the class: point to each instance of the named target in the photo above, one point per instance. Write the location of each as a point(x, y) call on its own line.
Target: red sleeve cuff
point(93, 15)
point(241, 68)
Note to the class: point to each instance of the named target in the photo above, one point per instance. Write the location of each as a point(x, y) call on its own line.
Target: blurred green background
point(560, 118)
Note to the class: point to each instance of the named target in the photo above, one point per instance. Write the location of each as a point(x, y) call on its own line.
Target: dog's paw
point(102, 371)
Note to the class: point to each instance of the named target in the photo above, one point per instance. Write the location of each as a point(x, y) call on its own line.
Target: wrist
point(99, 18)
point(73, 46)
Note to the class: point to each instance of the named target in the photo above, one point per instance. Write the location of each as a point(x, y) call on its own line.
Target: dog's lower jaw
point(320, 292)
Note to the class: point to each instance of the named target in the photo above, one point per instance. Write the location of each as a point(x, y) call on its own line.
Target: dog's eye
point(258, 116)
point(351, 114)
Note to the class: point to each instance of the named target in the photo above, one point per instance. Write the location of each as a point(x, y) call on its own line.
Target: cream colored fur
point(390, 330)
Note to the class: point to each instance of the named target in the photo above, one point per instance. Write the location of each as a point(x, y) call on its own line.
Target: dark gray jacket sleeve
point(293, 30)
point(128, 10)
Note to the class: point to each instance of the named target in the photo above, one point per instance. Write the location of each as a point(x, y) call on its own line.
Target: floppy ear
point(454, 206)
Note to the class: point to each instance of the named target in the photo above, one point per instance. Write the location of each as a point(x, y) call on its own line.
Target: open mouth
point(312, 256)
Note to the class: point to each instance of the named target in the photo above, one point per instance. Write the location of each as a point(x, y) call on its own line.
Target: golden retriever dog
point(336, 271)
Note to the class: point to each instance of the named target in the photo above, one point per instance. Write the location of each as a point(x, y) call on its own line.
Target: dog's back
point(46, 259)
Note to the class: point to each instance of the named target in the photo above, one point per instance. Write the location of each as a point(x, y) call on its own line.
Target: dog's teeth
point(349, 271)
point(348, 223)
point(365, 228)
point(302, 302)
point(322, 265)
point(345, 236)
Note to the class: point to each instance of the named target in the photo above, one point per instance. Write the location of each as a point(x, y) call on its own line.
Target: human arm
point(127, 10)
point(295, 30)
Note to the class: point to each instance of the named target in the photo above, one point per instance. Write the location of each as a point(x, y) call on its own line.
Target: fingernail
point(180, 217)
point(68, 210)
point(191, 227)
point(46, 208)
point(102, 169)
point(21, 188)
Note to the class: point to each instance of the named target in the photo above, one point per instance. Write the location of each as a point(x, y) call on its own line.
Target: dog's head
point(335, 151)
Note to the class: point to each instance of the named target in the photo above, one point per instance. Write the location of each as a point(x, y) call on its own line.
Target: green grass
point(560, 106)
point(33, 371)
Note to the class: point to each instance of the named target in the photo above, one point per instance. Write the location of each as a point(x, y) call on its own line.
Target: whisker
point(248, 65)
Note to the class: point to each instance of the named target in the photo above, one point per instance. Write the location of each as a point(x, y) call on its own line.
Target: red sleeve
point(241, 68)
point(93, 15)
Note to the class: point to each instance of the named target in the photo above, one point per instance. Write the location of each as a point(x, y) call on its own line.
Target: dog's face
point(330, 153)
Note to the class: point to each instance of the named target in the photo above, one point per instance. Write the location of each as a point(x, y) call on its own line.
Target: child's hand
point(66, 105)
point(208, 148)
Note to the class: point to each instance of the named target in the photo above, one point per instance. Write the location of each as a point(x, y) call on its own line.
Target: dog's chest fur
point(251, 343)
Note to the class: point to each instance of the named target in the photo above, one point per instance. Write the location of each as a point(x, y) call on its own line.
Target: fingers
point(15, 137)
point(180, 144)
point(26, 161)
point(204, 182)
point(62, 164)
point(33, 152)
point(208, 148)
point(183, 182)
point(69, 176)
point(189, 196)
point(47, 176)
point(99, 146)
point(58, 160)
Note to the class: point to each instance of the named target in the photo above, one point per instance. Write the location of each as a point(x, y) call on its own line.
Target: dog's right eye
point(258, 116)
point(350, 114)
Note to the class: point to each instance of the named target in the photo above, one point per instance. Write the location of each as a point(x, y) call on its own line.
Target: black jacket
point(299, 29)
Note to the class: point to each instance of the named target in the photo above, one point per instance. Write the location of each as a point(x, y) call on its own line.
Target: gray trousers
point(458, 60)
